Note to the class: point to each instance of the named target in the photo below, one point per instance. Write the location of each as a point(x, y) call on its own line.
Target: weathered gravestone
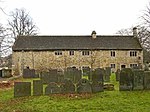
point(117, 75)
point(126, 80)
point(68, 74)
point(146, 66)
point(84, 86)
point(107, 74)
point(53, 75)
point(97, 80)
point(44, 76)
point(52, 88)
point(147, 80)
point(22, 89)
point(73, 74)
point(97, 75)
point(29, 73)
point(60, 78)
point(77, 76)
point(138, 81)
point(67, 86)
point(37, 87)
point(97, 87)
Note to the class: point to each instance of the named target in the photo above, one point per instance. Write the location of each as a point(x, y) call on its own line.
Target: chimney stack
point(135, 34)
point(93, 34)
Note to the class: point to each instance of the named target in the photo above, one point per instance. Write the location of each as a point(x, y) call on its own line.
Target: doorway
point(123, 66)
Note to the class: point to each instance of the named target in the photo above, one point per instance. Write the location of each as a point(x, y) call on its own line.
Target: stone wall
point(44, 60)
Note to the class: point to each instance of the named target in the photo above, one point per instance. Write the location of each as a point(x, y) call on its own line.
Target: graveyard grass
point(107, 101)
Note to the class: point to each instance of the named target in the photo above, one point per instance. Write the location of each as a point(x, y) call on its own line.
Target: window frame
point(71, 53)
point(85, 53)
point(58, 53)
point(112, 53)
point(132, 65)
point(113, 65)
point(133, 53)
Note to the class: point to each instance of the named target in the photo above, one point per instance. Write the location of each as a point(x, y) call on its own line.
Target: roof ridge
point(77, 36)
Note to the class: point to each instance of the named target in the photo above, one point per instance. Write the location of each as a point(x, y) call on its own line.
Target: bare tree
point(143, 35)
point(21, 23)
point(146, 16)
point(5, 42)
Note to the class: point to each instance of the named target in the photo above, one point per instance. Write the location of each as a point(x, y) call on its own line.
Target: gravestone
point(97, 87)
point(67, 86)
point(60, 78)
point(68, 74)
point(22, 89)
point(109, 87)
point(29, 73)
point(37, 87)
point(45, 77)
point(52, 88)
point(77, 76)
point(138, 83)
point(126, 80)
point(53, 75)
point(86, 71)
point(117, 74)
point(97, 75)
point(84, 86)
point(107, 74)
point(147, 80)
point(73, 74)
point(146, 66)
point(97, 80)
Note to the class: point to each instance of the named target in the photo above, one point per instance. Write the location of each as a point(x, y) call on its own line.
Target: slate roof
point(76, 43)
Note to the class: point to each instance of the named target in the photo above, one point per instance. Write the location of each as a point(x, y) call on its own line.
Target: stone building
point(47, 52)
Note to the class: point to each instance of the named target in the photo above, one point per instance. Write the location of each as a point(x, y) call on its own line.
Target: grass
point(107, 101)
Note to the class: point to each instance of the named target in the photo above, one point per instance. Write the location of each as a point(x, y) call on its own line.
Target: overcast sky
point(79, 17)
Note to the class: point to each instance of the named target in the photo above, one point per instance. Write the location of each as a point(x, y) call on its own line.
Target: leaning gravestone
point(52, 88)
point(126, 80)
point(138, 83)
point(67, 86)
point(37, 87)
point(84, 86)
point(22, 89)
point(147, 80)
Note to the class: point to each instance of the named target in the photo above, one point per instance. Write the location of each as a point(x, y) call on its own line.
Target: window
point(133, 53)
point(112, 53)
point(112, 65)
point(58, 52)
point(71, 53)
point(85, 53)
point(133, 65)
